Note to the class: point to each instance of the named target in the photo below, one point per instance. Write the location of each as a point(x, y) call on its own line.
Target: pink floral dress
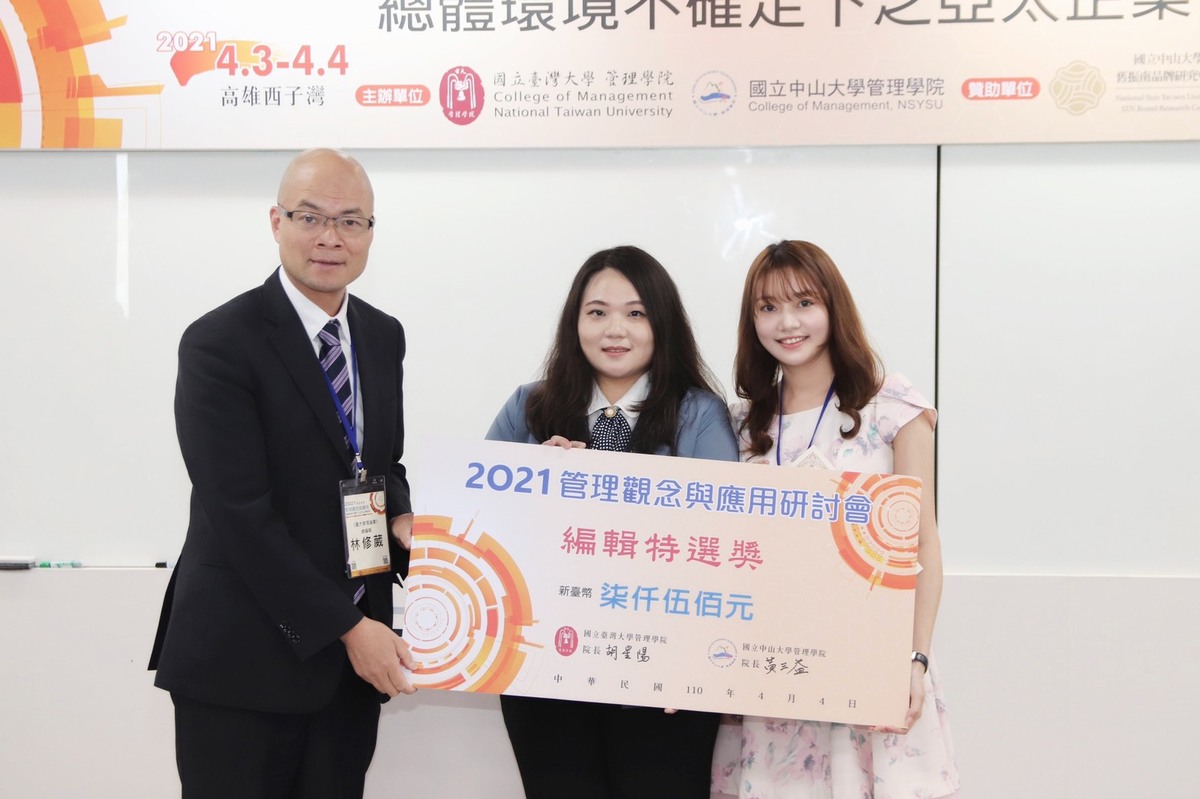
point(767, 758)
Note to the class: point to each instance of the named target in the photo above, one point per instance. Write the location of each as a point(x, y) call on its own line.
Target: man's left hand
point(402, 529)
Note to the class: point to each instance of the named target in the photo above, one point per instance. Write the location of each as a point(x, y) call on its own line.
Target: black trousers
point(233, 753)
point(584, 750)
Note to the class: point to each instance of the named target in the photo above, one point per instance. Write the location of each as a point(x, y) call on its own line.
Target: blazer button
point(288, 632)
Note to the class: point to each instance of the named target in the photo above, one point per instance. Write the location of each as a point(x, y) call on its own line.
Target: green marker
point(60, 564)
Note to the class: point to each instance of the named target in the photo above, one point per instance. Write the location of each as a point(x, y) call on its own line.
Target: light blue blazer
point(704, 427)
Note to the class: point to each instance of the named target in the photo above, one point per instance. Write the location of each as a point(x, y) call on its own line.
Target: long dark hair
point(558, 405)
point(857, 373)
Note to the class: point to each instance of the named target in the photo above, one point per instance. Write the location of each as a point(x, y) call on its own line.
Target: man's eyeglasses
point(312, 222)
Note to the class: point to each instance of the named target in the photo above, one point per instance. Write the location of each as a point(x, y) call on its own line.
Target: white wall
point(1056, 326)
point(1058, 687)
point(474, 252)
point(1067, 384)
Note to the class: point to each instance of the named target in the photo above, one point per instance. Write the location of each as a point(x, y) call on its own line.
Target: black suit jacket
point(259, 597)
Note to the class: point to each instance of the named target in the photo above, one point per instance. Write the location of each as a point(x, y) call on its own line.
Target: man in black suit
point(275, 658)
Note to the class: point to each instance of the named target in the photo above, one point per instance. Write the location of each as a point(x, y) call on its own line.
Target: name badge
point(812, 459)
point(364, 520)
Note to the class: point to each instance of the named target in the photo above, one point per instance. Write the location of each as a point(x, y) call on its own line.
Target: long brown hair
point(558, 405)
point(857, 372)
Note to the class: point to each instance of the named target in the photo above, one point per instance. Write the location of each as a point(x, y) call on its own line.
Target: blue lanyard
point(779, 429)
point(360, 470)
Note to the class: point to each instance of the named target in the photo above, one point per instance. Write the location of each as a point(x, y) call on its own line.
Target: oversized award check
point(664, 582)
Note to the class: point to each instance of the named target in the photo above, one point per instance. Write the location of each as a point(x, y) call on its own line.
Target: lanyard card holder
point(364, 520)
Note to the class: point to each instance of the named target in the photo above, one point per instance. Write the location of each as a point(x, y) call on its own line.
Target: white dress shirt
point(630, 404)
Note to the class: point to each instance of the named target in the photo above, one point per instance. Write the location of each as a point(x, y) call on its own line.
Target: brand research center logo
point(461, 95)
point(714, 93)
point(1077, 87)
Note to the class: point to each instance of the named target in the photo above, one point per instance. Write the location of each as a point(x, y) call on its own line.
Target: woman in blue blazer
point(624, 373)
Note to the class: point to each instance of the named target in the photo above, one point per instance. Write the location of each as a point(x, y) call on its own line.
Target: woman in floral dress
point(813, 394)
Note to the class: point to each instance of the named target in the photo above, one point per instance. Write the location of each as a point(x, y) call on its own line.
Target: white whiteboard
point(1068, 348)
point(110, 256)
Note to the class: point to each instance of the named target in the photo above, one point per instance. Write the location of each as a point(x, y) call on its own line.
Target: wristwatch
point(920, 658)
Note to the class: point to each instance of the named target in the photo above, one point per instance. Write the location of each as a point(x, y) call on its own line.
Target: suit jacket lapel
point(287, 336)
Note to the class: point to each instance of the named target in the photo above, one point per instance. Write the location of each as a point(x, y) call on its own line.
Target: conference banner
point(275, 74)
point(663, 582)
